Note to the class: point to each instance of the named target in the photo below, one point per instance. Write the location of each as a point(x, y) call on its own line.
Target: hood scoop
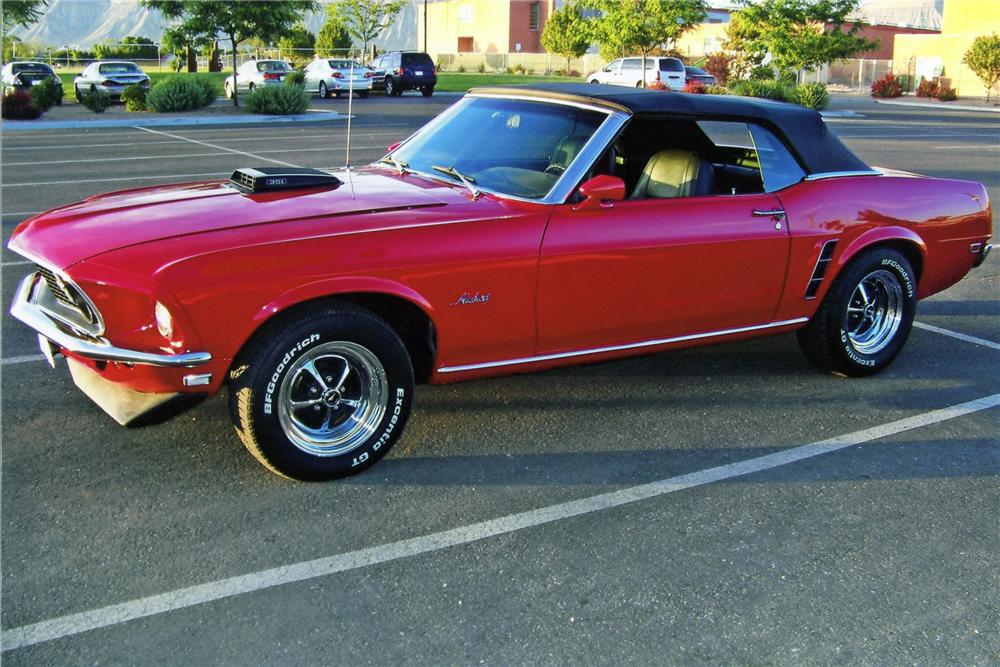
point(270, 179)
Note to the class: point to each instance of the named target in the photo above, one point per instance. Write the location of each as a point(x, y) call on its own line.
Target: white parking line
point(216, 146)
point(960, 336)
point(19, 263)
point(74, 624)
point(190, 155)
point(311, 137)
point(23, 360)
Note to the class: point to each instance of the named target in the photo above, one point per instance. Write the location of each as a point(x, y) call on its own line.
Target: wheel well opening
point(412, 325)
point(910, 251)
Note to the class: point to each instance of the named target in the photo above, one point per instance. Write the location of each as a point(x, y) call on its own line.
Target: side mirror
point(601, 192)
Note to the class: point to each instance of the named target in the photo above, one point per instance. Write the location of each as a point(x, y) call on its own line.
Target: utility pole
point(425, 26)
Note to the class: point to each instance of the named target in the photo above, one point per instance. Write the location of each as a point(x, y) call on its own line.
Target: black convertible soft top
point(818, 149)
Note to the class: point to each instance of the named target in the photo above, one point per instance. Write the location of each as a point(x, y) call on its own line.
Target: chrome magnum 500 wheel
point(865, 319)
point(322, 395)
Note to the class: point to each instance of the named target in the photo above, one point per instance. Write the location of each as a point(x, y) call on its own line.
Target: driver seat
point(565, 152)
point(674, 173)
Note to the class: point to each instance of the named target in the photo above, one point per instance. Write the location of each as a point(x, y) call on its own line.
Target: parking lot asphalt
point(492, 533)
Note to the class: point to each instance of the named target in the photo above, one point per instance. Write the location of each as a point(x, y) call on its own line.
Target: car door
point(631, 72)
point(611, 72)
point(648, 269)
point(378, 73)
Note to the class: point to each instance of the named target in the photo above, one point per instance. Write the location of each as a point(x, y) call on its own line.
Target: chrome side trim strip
point(28, 313)
point(840, 174)
point(616, 348)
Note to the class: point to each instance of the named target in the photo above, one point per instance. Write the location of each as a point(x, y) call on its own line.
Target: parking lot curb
point(11, 125)
point(928, 105)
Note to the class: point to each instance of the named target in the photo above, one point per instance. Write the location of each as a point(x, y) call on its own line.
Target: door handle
point(778, 213)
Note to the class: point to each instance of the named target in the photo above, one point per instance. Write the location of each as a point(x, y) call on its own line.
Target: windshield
point(272, 66)
point(514, 147)
point(118, 68)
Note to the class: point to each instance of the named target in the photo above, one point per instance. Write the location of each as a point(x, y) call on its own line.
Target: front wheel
point(323, 395)
point(866, 317)
point(390, 87)
point(229, 91)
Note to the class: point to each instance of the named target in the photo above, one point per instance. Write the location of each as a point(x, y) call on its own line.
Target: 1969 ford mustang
point(524, 228)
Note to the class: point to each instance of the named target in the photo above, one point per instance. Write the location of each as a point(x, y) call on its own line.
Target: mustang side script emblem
point(468, 299)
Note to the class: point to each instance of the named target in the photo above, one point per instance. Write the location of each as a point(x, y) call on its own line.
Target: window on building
point(466, 44)
point(465, 13)
point(533, 15)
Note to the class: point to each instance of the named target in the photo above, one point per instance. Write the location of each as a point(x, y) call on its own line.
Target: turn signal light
point(338, 75)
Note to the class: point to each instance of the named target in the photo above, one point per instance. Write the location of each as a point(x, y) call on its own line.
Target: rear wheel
point(390, 87)
point(323, 91)
point(866, 317)
point(427, 92)
point(77, 93)
point(251, 88)
point(324, 394)
point(229, 91)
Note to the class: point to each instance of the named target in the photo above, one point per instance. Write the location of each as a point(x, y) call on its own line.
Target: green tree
point(298, 45)
point(131, 48)
point(333, 36)
point(236, 20)
point(22, 13)
point(797, 34)
point(365, 19)
point(566, 33)
point(640, 26)
point(983, 58)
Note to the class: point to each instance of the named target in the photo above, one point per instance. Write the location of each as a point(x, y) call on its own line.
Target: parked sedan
point(110, 77)
point(337, 76)
point(24, 75)
point(524, 228)
point(255, 73)
point(700, 75)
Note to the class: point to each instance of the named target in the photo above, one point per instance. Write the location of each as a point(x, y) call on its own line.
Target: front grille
point(57, 287)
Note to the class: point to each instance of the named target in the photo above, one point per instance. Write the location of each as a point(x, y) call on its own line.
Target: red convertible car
point(523, 228)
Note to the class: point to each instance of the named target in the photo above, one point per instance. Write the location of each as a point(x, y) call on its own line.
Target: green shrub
point(296, 78)
point(180, 93)
point(762, 73)
point(207, 85)
point(946, 93)
point(96, 101)
point(716, 90)
point(134, 98)
point(482, 68)
point(278, 100)
point(461, 69)
point(812, 96)
point(17, 105)
point(769, 90)
point(887, 86)
point(696, 87)
point(46, 94)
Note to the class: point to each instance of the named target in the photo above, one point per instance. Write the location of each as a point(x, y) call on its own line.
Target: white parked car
point(628, 72)
point(110, 77)
point(337, 76)
point(255, 73)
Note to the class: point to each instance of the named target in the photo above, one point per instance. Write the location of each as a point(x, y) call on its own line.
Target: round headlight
point(164, 321)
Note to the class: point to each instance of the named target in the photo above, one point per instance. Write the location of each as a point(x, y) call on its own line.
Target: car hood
point(64, 236)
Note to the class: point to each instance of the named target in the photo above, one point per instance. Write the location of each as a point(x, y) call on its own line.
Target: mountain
point(83, 23)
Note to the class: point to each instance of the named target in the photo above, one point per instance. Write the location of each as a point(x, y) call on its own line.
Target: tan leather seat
point(671, 173)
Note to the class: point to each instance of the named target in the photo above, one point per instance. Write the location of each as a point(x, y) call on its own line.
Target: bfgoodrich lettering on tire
point(323, 394)
point(864, 320)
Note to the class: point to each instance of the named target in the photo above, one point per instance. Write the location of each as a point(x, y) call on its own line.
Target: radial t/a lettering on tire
point(866, 317)
point(324, 394)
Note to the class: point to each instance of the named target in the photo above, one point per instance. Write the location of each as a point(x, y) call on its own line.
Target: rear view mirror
point(601, 192)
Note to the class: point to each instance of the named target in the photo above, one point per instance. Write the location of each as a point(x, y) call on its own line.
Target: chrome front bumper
point(25, 310)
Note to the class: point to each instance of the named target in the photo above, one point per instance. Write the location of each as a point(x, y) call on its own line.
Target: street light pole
point(425, 26)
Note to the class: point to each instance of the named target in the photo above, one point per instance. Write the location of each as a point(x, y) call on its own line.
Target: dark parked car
point(22, 76)
point(399, 71)
point(698, 74)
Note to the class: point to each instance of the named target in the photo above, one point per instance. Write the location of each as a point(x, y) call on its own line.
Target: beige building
point(941, 55)
point(483, 26)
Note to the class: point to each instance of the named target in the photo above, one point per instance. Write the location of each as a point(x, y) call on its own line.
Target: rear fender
point(882, 235)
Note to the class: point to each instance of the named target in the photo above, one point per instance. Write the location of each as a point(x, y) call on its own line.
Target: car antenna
point(350, 106)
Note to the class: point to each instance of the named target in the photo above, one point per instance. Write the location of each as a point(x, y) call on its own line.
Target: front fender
point(341, 285)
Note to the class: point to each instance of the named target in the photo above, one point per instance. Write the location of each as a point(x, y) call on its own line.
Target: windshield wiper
point(400, 166)
point(467, 181)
